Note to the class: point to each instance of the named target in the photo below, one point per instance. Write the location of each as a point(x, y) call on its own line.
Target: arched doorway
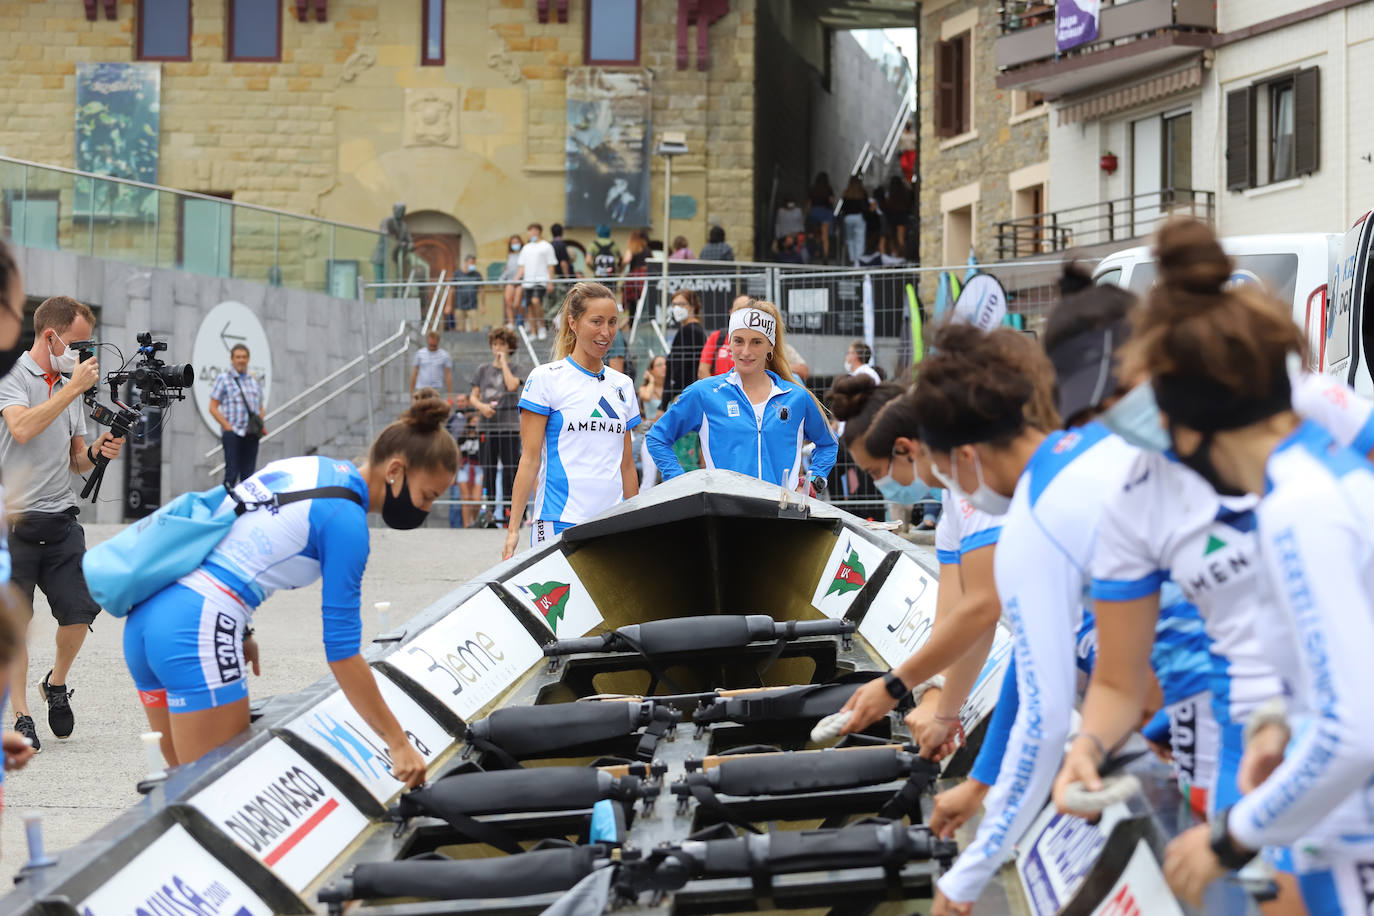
point(440, 239)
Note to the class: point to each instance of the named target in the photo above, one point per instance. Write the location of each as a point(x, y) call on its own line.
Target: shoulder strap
point(242, 393)
point(281, 499)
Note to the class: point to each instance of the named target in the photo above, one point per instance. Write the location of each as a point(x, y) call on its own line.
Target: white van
point(1348, 320)
point(1297, 267)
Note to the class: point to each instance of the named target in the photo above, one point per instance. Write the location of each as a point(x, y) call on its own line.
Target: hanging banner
point(117, 115)
point(1075, 22)
point(607, 150)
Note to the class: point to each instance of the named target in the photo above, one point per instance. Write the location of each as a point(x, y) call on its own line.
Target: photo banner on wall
point(607, 153)
point(117, 113)
point(1075, 22)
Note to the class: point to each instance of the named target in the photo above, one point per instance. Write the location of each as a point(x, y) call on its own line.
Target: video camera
point(158, 384)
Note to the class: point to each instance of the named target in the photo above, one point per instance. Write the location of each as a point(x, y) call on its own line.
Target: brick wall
point(324, 131)
point(996, 147)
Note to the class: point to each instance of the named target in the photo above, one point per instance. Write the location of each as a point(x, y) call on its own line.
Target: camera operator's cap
point(603, 231)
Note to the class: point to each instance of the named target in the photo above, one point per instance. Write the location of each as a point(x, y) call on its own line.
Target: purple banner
point(1075, 22)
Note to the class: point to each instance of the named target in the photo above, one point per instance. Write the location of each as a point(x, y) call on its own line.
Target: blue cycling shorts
point(185, 649)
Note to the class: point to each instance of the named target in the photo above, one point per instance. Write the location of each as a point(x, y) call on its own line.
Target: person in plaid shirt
point(234, 397)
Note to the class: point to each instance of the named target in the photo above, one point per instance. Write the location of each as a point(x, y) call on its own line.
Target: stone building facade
point(348, 121)
point(984, 151)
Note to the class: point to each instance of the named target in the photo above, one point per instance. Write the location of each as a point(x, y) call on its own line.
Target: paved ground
point(82, 783)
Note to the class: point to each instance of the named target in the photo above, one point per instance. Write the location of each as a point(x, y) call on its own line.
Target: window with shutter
point(963, 83)
point(1307, 121)
point(1240, 139)
point(945, 100)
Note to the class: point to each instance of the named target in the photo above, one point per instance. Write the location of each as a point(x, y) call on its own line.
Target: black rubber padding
point(781, 774)
point(537, 872)
point(508, 792)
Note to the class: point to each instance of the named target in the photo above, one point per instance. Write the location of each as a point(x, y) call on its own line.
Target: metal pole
point(667, 215)
point(367, 361)
point(90, 219)
point(24, 220)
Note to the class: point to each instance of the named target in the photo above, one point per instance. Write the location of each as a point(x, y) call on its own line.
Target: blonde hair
point(574, 305)
point(778, 363)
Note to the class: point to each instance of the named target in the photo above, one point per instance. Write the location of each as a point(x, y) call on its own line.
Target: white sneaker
point(542, 334)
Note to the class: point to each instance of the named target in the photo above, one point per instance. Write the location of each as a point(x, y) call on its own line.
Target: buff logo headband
point(750, 319)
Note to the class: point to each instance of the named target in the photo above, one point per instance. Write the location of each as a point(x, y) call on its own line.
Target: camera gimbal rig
point(158, 384)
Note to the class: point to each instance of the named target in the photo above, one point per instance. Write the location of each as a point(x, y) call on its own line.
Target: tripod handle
point(92, 488)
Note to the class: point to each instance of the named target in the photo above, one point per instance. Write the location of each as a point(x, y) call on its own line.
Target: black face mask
point(399, 512)
point(1200, 461)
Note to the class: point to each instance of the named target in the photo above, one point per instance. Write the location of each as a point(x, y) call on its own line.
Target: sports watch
point(895, 686)
point(1224, 847)
point(818, 484)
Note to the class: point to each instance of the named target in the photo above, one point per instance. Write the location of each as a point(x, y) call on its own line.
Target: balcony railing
point(1099, 223)
point(1028, 27)
point(45, 206)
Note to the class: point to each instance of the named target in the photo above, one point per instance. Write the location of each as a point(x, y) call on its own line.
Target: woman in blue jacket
point(755, 418)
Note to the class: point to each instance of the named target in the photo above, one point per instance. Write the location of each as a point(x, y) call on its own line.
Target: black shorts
point(534, 295)
point(45, 555)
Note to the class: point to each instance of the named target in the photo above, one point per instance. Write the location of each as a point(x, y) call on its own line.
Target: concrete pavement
point(82, 783)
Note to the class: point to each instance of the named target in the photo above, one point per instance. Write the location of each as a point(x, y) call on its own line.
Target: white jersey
point(962, 528)
point(1042, 573)
point(1166, 522)
point(1320, 568)
point(584, 442)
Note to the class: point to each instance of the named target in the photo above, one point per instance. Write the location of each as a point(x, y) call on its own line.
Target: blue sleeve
point(818, 431)
point(682, 417)
point(1122, 590)
point(342, 543)
point(1157, 729)
point(989, 762)
point(948, 557)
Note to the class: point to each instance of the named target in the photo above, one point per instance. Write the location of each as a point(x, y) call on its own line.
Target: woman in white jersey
point(1219, 365)
point(576, 414)
point(967, 609)
point(970, 408)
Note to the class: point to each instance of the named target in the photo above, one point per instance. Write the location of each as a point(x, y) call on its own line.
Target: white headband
point(751, 319)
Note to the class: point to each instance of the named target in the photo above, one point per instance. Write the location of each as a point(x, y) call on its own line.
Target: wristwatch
point(895, 687)
point(1224, 848)
point(818, 484)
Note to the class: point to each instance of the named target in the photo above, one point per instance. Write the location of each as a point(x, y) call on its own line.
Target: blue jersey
point(761, 441)
point(299, 543)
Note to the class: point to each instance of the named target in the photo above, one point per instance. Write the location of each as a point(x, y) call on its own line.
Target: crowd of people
point(1158, 501)
point(1155, 499)
point(869, 225)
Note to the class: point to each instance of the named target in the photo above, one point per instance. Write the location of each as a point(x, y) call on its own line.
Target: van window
point(1109, 277)
point(1278, 272)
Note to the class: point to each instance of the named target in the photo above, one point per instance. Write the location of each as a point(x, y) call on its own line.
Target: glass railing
point(63, 209)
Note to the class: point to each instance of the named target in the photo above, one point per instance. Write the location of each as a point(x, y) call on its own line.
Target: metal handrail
point(402, 332)
point(217, 469)
point(158, 187)
point(1100, 221)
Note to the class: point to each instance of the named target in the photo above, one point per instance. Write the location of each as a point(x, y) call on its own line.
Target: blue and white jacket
point(735, 439)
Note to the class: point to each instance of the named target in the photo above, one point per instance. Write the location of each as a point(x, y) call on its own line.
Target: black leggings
point(502, 445)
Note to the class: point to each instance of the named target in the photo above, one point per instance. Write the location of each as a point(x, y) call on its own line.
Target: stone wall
point(312, 335)
point(985, 157)
point(324, 131)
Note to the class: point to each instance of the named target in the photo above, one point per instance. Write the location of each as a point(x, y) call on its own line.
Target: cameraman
point(42, 443)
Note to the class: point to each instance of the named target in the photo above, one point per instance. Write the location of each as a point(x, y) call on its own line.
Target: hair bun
point(849, 393)
point(427, 413)
point(1074, 279)
point(1190, 258)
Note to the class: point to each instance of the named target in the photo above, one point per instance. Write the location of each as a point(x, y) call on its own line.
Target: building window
point(1028, 221)
point(164, 29)
point(953, 95)
point(205, 244)
point(1177, 178)
point(612, 32)
point(254, 30)
point(1026, 102)
point(958, 234)
point(1288, 134)
point(432, 37)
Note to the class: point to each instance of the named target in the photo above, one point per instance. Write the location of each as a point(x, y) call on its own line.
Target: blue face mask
point(1135, 418)
point(901, 494)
